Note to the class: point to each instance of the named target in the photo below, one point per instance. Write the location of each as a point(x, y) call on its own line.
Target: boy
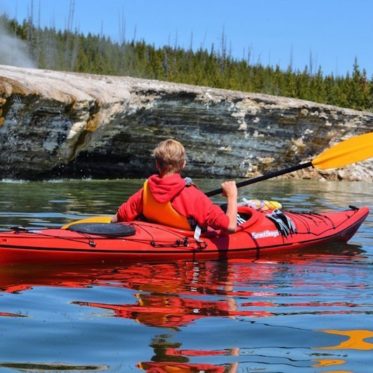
point(167, 198)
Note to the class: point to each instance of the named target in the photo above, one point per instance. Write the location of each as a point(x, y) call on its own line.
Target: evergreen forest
point(214, 67)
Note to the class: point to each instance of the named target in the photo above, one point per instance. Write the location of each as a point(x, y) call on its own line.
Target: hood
point(165, 188)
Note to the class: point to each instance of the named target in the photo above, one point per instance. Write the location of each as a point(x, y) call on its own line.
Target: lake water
point(306, 312)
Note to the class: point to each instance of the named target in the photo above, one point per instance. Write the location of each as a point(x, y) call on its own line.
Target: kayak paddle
point(92, 219)
point(355, 149)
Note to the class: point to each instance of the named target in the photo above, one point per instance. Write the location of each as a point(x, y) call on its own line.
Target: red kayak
point(259, 234)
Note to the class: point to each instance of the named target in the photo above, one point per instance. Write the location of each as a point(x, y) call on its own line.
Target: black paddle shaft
point(270, 175)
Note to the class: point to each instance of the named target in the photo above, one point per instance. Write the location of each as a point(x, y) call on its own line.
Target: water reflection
point(176, 296)
point(168, 356)
point(30, 367)
point(167, 295)
point(355, 340)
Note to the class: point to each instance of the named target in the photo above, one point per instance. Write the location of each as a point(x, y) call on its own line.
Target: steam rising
point(13, 51)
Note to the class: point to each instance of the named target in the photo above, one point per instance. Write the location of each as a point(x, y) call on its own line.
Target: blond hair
point(170, 156)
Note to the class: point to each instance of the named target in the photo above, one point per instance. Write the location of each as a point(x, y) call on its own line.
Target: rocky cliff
point(55, 124)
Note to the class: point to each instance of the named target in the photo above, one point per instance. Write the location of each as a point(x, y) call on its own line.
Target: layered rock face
point(57, 124)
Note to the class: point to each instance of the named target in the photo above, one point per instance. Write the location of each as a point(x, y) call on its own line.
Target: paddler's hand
point(229, 189)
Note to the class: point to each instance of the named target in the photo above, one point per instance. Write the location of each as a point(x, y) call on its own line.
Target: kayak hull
point(257, 237)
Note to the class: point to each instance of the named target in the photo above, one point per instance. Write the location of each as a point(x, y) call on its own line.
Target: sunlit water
point(307, 312)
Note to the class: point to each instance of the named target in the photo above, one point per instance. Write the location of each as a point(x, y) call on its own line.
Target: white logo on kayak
point(265, 234)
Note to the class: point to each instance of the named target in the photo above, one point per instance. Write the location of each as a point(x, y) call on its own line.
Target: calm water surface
point(307, 312)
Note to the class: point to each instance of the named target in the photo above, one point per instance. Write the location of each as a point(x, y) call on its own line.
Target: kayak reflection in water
point(173, 295)
point(170, 357)
point(166, 198)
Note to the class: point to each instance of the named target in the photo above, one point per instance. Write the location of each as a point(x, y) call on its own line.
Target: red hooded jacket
point(189, 201)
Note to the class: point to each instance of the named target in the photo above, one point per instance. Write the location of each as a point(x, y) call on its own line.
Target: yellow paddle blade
point(92, 219)
point(355, 149)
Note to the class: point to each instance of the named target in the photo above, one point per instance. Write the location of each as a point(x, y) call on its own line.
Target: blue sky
point(326, 33)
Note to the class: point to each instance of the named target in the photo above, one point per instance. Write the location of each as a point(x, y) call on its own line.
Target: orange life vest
point(162, 213)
